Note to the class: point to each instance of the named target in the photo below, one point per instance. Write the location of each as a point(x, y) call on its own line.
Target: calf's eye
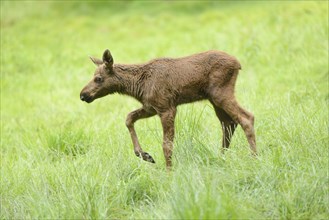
point(98, 79)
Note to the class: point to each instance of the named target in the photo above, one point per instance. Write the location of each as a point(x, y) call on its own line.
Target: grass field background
point(62, 158)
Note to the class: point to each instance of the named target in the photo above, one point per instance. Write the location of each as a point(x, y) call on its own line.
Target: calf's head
point(103, 81)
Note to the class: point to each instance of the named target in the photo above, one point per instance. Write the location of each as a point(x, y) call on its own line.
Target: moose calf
point(160, 85)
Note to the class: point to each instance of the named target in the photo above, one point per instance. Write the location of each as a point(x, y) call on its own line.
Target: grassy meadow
point(65, 159)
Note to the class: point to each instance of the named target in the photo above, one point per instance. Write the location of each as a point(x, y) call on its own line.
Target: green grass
point(62, 158)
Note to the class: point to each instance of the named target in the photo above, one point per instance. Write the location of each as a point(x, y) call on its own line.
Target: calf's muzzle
point(85, 97)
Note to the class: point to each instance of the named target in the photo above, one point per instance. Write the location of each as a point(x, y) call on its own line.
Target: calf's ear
point(107, 58)
point(96, 61)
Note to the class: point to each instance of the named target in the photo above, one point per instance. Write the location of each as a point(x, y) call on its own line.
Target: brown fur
point(163, 84)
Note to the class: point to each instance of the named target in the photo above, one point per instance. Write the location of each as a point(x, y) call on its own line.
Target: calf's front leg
point(131, 119)
point(168, 125)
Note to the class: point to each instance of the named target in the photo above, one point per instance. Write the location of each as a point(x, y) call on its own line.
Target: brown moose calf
point(163, 84)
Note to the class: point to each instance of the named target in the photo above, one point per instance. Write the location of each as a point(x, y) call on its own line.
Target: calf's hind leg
point(131, 119)
point(241, 116)
point(228, 126)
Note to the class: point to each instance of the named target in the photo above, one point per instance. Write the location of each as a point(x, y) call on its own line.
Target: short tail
point(237, 65)
point(234, 64)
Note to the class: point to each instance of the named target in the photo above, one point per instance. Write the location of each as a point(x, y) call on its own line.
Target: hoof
point(145, 156)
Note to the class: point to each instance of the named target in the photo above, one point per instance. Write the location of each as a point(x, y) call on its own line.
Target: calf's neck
point(160, 85)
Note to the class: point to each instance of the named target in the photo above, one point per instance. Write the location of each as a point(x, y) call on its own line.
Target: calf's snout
point(86, 97)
